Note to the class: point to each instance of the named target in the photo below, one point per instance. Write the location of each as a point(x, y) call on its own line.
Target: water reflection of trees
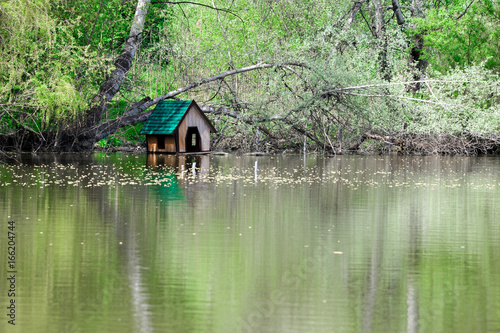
point(111, 237)
point(393, 272)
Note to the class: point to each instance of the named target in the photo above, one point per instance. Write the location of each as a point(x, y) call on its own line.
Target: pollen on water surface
point(129, 174)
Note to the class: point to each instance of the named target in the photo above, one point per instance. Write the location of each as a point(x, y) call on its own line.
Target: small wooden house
point(177, 127)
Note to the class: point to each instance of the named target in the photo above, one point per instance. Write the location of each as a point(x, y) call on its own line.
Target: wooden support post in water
point(340, 140)
point(257, 139)
point(256, 167)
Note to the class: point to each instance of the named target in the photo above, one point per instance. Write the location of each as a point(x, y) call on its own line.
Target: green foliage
point(102, 25)
point(110, 142)
point(55, 54)
point(460, 102)
point(44, 74)
point(457, 36)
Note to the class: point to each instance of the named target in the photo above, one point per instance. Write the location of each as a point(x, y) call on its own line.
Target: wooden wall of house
point(153, 144)
point(194, 118)
point(170, 144)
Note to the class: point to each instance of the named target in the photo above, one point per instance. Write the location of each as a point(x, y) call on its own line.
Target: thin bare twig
point(198, 4)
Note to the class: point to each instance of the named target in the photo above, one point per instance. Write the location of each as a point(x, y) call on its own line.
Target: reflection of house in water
point(174, 169)
point(177, 162)
point(177, 127)
point(165, 165)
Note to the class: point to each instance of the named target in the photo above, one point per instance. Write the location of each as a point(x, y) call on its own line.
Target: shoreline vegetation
point(342, 77)
point(371, 144)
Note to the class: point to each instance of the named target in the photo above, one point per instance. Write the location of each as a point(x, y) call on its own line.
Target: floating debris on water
point(132, 174)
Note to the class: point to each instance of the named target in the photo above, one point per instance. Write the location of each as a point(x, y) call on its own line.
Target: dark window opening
point(161, 141)
point(193, 140)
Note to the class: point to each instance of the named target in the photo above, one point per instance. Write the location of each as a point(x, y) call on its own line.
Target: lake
point(147, 243)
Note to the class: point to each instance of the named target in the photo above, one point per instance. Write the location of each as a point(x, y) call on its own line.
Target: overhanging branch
point(136, 113)
point(197, 4)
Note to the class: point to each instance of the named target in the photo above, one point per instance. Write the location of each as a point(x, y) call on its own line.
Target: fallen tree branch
point(136, 113)
point(386, 139)
point(197, 4)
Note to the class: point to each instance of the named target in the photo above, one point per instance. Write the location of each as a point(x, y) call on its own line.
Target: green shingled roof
point(165, 117)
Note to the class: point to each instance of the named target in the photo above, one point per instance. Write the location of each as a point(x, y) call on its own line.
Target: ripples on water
point(139, 243)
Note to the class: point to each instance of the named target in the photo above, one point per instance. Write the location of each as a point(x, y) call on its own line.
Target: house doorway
point(193, 140)
point(161, 141)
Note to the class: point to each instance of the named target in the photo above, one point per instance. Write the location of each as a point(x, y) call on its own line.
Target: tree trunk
point(354, 10)
point(382, 36)
point(123, 62)
point(379, 19)
point(397, 12)
point(416, 54)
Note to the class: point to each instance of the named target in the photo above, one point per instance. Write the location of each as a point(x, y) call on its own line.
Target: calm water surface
point(132, 243)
